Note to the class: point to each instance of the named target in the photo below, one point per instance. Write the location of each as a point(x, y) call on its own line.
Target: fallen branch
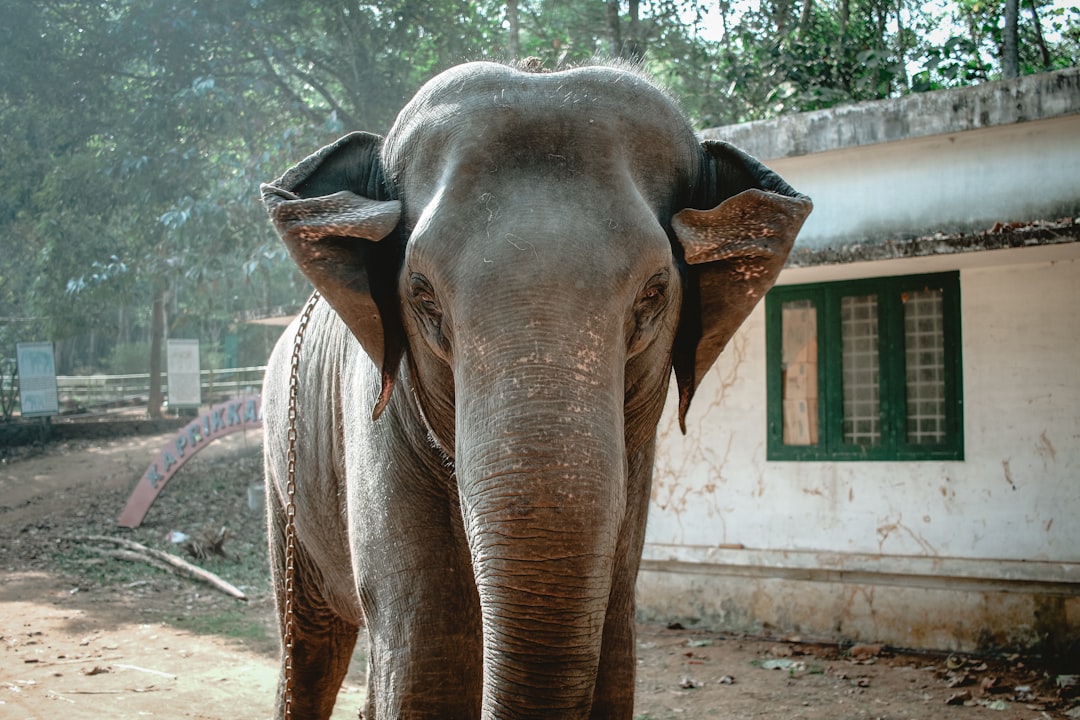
point(80, 661)
point(130, 556)
point(146, 670)
point(166, 561)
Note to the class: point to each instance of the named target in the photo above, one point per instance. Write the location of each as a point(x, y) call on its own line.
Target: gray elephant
point(508, 281)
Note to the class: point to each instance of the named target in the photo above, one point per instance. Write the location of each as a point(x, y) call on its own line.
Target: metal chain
point(290, 506)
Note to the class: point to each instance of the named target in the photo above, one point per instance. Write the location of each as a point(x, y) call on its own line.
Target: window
point(865, 370)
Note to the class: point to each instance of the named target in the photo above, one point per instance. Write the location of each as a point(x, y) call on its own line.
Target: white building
point(889, 449)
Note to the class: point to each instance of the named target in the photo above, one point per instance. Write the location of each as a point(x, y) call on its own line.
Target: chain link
point(290, 506)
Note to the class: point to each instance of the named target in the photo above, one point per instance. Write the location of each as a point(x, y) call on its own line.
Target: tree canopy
point(136, 132)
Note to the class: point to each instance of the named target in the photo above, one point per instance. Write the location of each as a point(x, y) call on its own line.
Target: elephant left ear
point(734, 253)
point(337, 217)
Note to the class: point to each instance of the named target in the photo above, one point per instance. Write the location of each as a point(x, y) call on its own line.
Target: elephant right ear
point(734, 248)
point(338, 217)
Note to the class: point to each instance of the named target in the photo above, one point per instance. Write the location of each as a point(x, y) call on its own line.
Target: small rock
point(861, 652)
point(959, 698)
point(958, 679)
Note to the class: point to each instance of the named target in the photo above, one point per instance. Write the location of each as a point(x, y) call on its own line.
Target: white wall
point(1015, 496)
point(942, 555)
point(942, 183)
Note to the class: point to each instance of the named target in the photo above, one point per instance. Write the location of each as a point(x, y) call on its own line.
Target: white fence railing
point(91, 392)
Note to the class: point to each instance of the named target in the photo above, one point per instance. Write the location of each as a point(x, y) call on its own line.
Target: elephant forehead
point(590, 124)
point(479, 88)
point(532, 227)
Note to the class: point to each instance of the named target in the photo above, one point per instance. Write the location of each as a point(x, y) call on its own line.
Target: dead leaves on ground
point(962, 680)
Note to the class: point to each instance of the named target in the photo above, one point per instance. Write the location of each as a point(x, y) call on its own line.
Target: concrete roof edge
point(1004, 102)
point(999, 237)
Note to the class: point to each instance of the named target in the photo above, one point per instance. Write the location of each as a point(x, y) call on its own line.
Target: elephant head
point(542, 251)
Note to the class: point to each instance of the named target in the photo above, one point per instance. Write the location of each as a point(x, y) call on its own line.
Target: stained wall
point(957, 554)
point(879, 551)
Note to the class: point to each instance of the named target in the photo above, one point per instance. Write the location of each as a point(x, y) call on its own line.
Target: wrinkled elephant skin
point(509, 280)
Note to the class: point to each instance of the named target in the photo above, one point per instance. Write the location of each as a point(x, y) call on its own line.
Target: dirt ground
point(84, 635)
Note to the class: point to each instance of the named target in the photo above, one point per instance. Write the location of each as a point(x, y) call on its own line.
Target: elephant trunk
point(542, 478)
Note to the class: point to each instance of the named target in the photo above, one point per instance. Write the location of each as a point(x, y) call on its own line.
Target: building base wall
point(898, 610)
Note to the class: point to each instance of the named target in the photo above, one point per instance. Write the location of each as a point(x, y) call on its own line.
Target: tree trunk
point(782, 17)
point(123, 326)
point(901, 48)
point(157, 338)
point(805, 17)
point(725, 10)
point(1010, 56)
point(614, 34)
point(976, 40)
point(1046, 61)
point(267, 338)
point(514, 41)
point(843, 71)
point(635, 45)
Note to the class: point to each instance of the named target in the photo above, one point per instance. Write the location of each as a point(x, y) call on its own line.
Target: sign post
point(37, 379)
point(182, 361)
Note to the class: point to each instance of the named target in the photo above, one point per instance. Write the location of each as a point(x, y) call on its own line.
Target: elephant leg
point(424, 650)
point(322, 648)
point(613, 698)
point(323, 642)
point(422, 613)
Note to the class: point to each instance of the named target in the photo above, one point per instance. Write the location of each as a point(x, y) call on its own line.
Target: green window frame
point(865, 369)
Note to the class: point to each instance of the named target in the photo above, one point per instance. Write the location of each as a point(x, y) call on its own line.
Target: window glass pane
point(924, 343)
point(860, 373)
point(800, 372)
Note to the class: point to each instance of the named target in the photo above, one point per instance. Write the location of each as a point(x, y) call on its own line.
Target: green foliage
point(136, 132)
point(128, 359)
point(9, 387)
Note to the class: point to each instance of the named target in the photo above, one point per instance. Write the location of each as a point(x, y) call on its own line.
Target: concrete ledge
point(933, 603)
point(970, 575)
point(1033, 97)
point(848, 610)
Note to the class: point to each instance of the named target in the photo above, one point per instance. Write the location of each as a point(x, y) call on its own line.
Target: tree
point(136, 132)
point(1010, 55)
point(513, 48)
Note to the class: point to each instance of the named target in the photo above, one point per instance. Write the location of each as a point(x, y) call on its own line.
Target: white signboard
point(182, 360)
point(37, 379)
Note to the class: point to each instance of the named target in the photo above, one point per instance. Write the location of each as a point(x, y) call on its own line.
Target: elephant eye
point(654, 296)
point(424, 296)
point(649, 306)
point(427, 302)
point(429, 314)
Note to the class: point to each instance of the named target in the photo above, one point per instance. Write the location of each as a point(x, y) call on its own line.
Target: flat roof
point(941, 112)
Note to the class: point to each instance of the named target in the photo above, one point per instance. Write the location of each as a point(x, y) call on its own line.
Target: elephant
point(507, 282)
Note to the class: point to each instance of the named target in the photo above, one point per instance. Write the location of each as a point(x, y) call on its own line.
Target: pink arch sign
point(243, 413)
